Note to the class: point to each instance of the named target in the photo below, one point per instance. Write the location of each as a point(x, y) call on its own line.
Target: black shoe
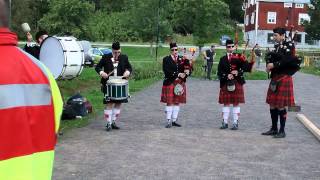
point(234, 127)
point(224, 126)
point(108, 127)
point(271, 132)
point(169, 125)
point(280, 135)
point(176, 124)
point(114, 126)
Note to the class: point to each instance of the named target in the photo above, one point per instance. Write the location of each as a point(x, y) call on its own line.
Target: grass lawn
point(311, 70)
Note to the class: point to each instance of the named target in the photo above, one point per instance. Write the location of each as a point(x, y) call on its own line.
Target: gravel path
point(144, 149)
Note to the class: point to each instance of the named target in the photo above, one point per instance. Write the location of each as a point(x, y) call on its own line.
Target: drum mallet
point(25, 27)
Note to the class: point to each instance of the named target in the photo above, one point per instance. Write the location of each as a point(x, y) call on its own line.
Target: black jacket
point(33, 50)
point(171, 69)
point(225, 68)
point(106, 65)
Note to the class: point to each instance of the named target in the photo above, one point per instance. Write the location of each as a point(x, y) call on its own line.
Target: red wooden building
point(261, 16)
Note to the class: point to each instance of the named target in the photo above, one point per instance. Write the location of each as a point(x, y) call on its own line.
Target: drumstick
point(110, 73)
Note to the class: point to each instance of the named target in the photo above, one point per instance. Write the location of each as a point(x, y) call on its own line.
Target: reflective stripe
point(16, 95)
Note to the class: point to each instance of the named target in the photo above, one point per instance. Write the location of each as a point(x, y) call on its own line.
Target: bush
point(140, 71)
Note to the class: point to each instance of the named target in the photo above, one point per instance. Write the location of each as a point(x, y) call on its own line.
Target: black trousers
point(209, 69)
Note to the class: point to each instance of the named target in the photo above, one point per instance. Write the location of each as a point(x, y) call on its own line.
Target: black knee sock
point(274, 117)
point(283, 118)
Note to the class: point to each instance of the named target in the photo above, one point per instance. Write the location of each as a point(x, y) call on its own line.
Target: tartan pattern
point(284, 95)
point(168, 96)
point(236, 97)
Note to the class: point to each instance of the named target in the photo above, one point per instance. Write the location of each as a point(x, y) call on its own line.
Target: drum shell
point(117, 89)
point(63, 56)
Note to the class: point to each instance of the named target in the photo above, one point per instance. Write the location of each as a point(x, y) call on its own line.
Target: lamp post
point(158, 29)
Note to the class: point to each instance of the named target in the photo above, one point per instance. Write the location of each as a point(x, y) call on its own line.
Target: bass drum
point(63, 56)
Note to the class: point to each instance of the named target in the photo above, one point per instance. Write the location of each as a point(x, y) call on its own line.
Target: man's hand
point(234, 72)
point(182, 75)
point(126, 74)
point(230, 76)
point(270, 66)
point(29, 37)
point(103, 75)
point(187, 71)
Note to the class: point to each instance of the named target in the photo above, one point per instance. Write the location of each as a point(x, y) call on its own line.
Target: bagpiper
point(231, 70)
point(282, 64)
point(176, 69)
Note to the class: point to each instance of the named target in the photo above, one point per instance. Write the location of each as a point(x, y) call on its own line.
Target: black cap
point(40, 33)
point(116, 45)
point(173, 44)
point(229, 41)
point(279, 30)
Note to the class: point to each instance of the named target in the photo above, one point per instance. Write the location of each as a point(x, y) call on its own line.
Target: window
point(269, 39)
point(303, 17)
point(299, 5)
point(298, 38)
point(247, 20)
point(287, 5)
point(272, 18)
point(252, 18)
point(310, 40)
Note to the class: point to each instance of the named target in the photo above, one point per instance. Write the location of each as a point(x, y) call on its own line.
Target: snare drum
point(117, 89)
point(63, 56)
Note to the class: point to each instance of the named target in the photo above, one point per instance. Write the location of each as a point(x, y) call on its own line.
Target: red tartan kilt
point(284, 94)
point(168, 96)
point(235, 97)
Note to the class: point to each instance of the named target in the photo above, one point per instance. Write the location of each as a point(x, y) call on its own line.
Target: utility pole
point(10, 14)
point(158, 29)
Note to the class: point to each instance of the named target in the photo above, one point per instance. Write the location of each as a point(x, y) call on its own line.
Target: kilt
point(236, 97)
point(168, 96)
point(284, 93)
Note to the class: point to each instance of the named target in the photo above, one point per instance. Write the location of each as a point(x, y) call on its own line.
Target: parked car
point(88, 60)
point(86, 45)
point(105, 50)
point(223, 39)
point(95, 54)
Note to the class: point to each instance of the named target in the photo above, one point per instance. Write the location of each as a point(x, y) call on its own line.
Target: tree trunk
point(151, 48)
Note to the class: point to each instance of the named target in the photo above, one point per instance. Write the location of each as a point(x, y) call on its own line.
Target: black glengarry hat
point(40, 33)
point(279, 30)
point(173, 44)
point(229, 42)
point(116, 45)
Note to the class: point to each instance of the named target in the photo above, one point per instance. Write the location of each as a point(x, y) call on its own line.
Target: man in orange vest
point(30, 109)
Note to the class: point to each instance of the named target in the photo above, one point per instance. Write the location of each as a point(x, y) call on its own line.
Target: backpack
point(68, 112)
point(75, 106)
point(77, 103)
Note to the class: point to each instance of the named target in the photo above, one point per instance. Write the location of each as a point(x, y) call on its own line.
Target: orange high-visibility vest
point(30, 110)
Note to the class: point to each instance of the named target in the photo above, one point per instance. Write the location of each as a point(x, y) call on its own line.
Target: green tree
point(144, 20)
point(236, 12)
point(205, 19)
point(68, 16)
point(29, 11)
point(313, 27)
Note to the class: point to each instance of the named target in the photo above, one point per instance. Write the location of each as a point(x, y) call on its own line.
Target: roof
point(288, 1)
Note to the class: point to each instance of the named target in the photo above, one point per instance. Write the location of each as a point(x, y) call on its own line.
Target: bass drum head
point(51, 55)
